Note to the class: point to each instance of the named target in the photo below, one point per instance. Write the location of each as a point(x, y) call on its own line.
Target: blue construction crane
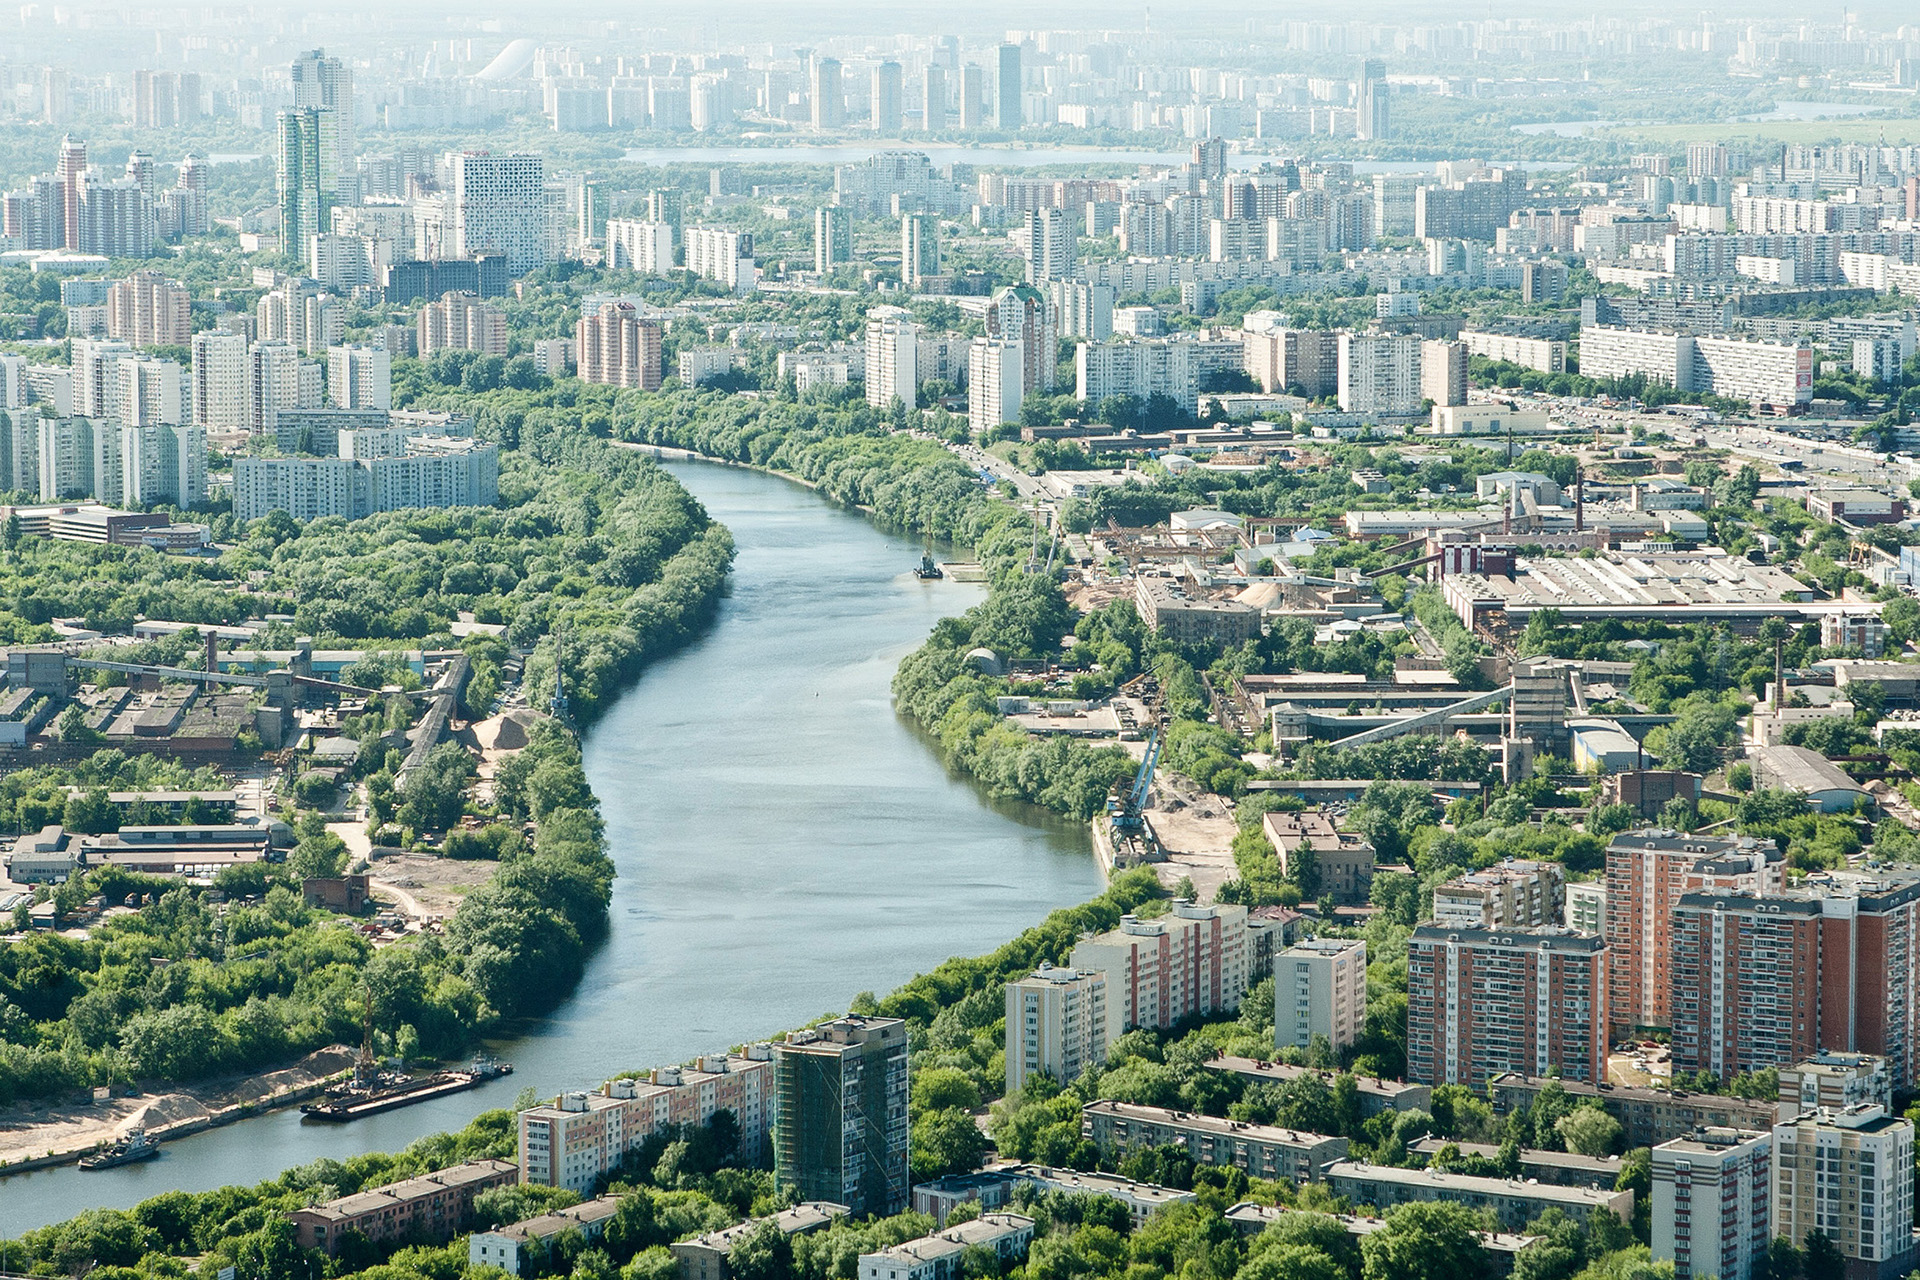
point(1128, 809)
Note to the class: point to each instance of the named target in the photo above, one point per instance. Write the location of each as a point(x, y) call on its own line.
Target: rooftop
point(1585, 1197)
point(1210, 1124)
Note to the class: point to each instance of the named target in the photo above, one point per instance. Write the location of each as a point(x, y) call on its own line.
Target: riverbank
point(44, 1137)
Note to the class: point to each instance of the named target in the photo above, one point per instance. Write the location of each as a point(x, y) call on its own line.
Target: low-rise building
point(521, 1244)
point(1513, 1204)
point(1806, 772)
point(993, 1188)
point(1649, 1116)
point(1376, 1095)
point(1258, 1150)
point(433, 1207)
point(1250, 1219)
point(1342, 860)
point(705, 1257)
point(1711, 1210)
point(1555, 1168)
point(939, 1256)
point(1320, 989)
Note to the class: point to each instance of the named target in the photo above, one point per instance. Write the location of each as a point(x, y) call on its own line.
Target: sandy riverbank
point(58, 1133)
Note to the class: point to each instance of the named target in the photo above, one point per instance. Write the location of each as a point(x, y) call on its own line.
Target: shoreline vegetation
point(593, 543)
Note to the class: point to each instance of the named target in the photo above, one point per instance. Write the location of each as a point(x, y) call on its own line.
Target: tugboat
point(928, 570)
point(136, 1146)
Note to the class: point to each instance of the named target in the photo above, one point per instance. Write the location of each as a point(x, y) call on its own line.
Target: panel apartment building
point(1647, 872)
point(1192, 960)
point(1848, 1174)
point(1320, 988)
point(581, 1136)
point(1770, 373)
point(1519, 893)
point(1056, 1025)
point(1258, 1150)
point(1485, 1001)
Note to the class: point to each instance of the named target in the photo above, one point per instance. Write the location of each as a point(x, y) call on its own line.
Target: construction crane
point(1126, 810)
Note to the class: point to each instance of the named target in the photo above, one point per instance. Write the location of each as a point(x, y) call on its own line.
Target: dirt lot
point(1196, 829)
point(34, 1132)
point(426, 887)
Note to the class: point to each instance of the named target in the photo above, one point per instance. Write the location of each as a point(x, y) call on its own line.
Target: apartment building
point(149, 310)
point(1481, 1002)
point(1849, 1175)
point(616, 348)
point(940, 1256)
point(1770, 373)
point(498, 204)
point(1647, 872)
point(634, 244)
point(433, 472)
point(1320, 989)
point(511, 1246)
point(1649, 1116)
point(1548, 355)
point(893, 349)
point(705, 1257)
point(1173, 367)
point(1056, 1025)
point(1192, 960)
point(432, 1208)
point(1517, 893)
point(840, 1117)
point(581, 1136)
point(1258, 1150)
point(994, 376)
point(1343, 860)
point(723, 256)
point(1170, 609)
point(1746, 981)
point(359, 377)
point(461, 322)
point(1837, 1081)
point(1586, 906)
point(1379, 374)
point(1512, 1203)
point(1302, 362)
point(1443, 372)
point(992, 1188)
point(1712, 1210)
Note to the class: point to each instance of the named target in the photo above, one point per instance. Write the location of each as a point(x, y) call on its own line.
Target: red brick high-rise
point(1485, 1001)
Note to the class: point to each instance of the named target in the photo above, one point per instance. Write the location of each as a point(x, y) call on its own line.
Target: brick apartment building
point(1481, 1002)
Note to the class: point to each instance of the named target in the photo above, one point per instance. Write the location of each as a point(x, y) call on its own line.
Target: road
point(1028, 487)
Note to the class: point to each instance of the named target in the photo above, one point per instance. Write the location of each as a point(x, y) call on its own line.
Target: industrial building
point(1679, 587)
point(1807, 773)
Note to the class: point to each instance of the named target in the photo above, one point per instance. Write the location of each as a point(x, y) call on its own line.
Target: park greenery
point(190, 987)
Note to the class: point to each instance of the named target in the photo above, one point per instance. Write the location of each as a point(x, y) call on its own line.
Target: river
point(783, 842)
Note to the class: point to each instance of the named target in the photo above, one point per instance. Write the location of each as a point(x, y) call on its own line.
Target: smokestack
point(213, 645)
point(1579, 500)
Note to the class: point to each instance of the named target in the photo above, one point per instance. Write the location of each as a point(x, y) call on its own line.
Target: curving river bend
point(783, 841)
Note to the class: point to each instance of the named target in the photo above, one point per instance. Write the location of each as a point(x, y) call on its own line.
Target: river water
point(783, 842)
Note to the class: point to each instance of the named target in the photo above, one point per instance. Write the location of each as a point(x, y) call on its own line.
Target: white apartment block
point(1142, 370)
point(95, 380)
point(1848, 1174)
point(1056, 1025)
point(583, 1135)
point(1548, 355)
point(345, 262)
point(1379, 373)
point(163, 464)
point(1711, 1203)
point(1763, 372)
point(146, 393)
point(714, 253)
point(993, 384)
point(220, 380)
point(359, 377)
point(13, 382)
point(149, 310)
point(1192, 960)
point(498, 204)
point(893, 349)
point(1586, 908)
point(433, 472)
point(1320, 988)
point(1836, 1081)
point(634, 244)
point(277, 378)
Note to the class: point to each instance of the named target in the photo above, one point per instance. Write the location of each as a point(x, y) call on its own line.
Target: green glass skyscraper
point(307, 175)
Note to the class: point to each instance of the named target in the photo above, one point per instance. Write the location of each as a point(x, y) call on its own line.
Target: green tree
point(1425, 1241)
point(1590, 1131)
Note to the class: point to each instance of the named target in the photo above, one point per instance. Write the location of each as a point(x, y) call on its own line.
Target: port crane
point(1126, 810)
